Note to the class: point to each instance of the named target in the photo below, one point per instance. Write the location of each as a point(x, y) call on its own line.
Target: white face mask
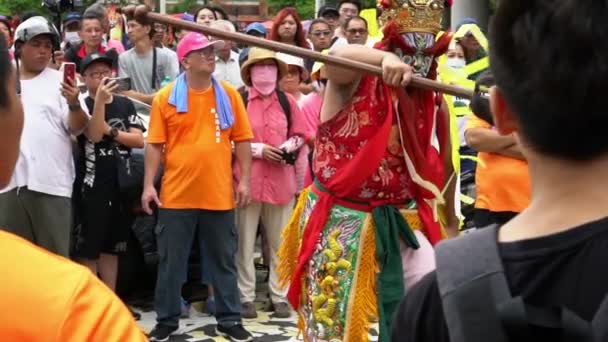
point(72, 38)
point(456, 63)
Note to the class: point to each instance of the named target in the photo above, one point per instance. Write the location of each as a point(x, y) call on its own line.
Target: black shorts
point(104, 225)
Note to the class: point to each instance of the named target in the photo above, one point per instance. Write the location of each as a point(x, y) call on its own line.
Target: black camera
point(59, 6)
point(289, 158)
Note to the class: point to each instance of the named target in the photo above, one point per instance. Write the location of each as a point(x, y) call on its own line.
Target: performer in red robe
point(363, 232)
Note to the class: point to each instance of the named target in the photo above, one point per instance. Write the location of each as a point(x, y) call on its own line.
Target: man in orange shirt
point(76, 306)
point(193, 123)
point(501, 179)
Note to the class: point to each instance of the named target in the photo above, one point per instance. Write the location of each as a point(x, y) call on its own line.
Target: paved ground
point(201, 326)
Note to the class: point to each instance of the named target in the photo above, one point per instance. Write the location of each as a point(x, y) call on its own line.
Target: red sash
point(352, 175)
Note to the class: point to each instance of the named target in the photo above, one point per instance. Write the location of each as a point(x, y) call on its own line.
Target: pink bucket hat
point(194, 41)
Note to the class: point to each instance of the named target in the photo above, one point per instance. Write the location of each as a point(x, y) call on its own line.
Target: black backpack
point(478, 305)
point(283, 101)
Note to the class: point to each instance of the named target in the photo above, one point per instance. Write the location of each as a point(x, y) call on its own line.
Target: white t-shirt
point(229, 71)
point(45, 161)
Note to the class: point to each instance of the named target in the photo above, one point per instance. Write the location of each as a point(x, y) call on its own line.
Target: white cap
point(293, 60)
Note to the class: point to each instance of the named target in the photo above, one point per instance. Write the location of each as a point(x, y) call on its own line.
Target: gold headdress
point(414, 15)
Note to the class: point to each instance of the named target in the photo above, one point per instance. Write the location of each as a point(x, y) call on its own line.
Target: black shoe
point(235, 333)
point(161, 333)
point(136, 315)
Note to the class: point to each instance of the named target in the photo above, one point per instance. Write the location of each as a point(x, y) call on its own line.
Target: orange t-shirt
point(48, 298)
point(502, 183)
point(198, 155)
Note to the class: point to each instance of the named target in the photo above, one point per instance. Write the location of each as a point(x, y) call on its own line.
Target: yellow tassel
point(363, 302)
point(290, 246)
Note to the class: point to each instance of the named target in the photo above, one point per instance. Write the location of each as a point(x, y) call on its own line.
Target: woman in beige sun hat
point(259, 56)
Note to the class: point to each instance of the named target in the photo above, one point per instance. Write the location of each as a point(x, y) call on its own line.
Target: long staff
point(419, 82)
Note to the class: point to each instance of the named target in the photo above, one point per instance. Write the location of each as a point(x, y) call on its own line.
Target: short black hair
point(315, 22)
point(480, 103)
point(90, 16)
point(354, 2)
point(347, 22)
point(143, 21)
point(556, 91)
point(6, 67)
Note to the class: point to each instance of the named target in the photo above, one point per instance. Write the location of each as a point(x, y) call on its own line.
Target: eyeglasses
point(206, 52)
point(99, 74)
point(321, 33)
point(355, 31)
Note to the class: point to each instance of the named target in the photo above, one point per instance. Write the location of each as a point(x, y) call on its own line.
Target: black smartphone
point(124, 83)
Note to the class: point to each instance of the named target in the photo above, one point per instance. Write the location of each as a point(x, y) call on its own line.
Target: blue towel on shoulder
point(179, 99)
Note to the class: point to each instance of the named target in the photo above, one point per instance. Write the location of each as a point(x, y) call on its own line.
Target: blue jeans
point(217, 236)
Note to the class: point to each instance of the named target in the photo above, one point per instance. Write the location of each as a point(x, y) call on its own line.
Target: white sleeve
point(257, 150)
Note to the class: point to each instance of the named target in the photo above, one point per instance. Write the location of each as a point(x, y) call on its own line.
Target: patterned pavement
point(201, 327)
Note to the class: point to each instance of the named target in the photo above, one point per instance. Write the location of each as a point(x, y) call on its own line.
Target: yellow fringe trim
point(363, 302)
point(290, 244)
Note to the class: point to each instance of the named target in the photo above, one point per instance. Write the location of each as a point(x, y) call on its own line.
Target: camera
point(59, 6)
point(289, 158)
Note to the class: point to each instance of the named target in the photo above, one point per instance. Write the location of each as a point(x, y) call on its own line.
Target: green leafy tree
point(183, 6)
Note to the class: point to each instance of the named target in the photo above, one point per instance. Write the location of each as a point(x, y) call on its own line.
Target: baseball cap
point(94, 57)
point(194, 41)
point(328, 11)
point(34, 27)
point(466, 21)
point(71, 17)
point(256, 27)
point(187, 16)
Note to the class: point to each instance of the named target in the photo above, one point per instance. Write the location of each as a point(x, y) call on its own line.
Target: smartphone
point(69, 72)
point(124, 83)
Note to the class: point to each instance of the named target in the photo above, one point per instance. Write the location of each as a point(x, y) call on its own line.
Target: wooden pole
point(419, 82)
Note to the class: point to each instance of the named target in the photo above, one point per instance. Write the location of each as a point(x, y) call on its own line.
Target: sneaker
point(210, 305)
point(161, 333)
point(235, 333)
point(136, 315)
point(249, 311)
point(281, 310)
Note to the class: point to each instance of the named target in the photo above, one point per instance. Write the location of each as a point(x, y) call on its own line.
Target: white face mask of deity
point(456, 63)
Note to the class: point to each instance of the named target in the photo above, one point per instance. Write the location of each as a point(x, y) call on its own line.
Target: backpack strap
point(469, 274)
point(245, 97)
point(600, 322)
point(153, 81)
point(284, 102)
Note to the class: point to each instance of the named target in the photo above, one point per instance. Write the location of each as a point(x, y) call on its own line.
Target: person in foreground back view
point(541, 276)
point(50, 298)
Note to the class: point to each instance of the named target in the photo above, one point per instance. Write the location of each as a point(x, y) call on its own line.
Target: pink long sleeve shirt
point(272, 182)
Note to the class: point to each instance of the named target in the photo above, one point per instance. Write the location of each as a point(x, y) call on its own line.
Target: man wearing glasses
point(355, 30)
point(347, 9)
point(319, 34)
point(193, 123)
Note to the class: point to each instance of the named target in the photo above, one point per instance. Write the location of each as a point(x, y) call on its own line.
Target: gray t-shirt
point(139, 69)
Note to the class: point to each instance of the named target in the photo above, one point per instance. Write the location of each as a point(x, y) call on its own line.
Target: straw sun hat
point(257, 55)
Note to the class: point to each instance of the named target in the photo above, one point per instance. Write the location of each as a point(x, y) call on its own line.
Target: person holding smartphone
point(36, 202)
point(113, 130)
point(278, 129)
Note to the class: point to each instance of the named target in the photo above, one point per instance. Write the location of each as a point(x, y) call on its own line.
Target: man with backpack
point(540, 276)
point(275, 120)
